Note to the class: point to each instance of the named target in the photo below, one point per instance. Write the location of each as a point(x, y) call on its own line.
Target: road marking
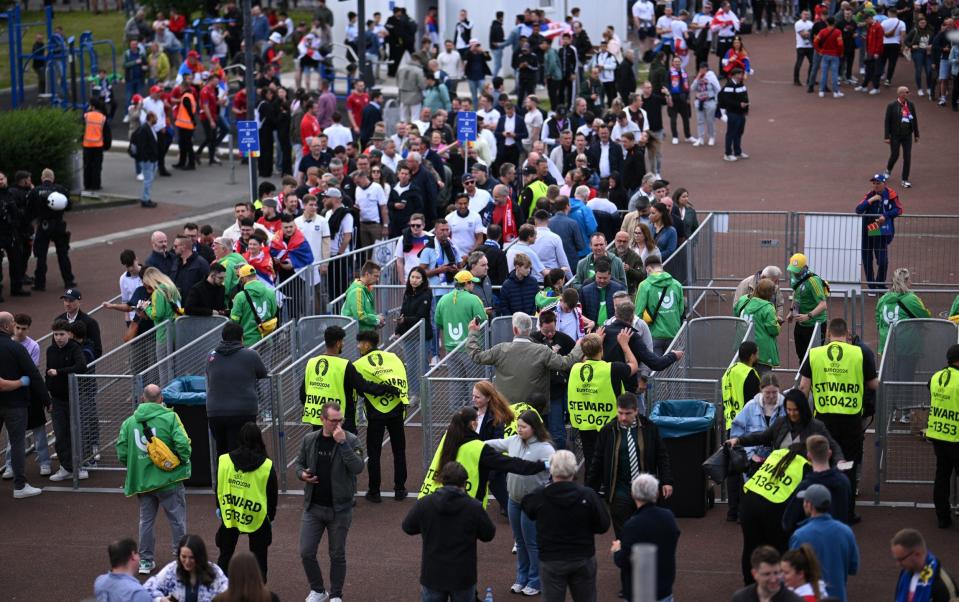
point(111, 238)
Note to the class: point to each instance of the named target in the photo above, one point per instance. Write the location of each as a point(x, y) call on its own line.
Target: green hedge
point(37, 138)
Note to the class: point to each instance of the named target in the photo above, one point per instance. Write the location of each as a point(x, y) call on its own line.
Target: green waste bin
point(187, 396)
point(686, 426)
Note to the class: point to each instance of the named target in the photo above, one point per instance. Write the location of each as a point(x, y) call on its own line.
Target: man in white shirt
point(316, 231)
point(725, 25)
point(423, 123)
point(341, 236)
point(804, 50)
point(644, 13)
point(401, 136)
point(548, 246)
point(154, 104)
point(625, 124)
point(486, 138)
point(390, 157)
point(601, 204)
point(664, 28)
point(451, 62)
point(338, 134)
point(240, 211)
point(466, 227)
point(703, 20)
point(894, 30)
point(487, 112)
point(371, 201)
point(479, 199)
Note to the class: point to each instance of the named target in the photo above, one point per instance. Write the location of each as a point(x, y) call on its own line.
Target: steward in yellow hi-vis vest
point(740, 382)
point(331, 378)
point(777, 485)
point(943, 430)
point(246, 496)
point(384, 413)
point(462, 444)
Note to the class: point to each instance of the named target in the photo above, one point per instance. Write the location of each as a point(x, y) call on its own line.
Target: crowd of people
point(559, 214)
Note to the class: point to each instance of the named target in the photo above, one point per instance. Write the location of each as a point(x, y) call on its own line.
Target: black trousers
point(848, 60)
point(164, 140)
point(620, 509)
point(679, 109)
point(802, 54)
point(55, 232)
point(566, 93)
point(184, 139)
point(226, 431)
point(396, 53)
point(374, 446)
point(92, 168)
point(761, 522)
point(609, 92)
point(847, 430)
point(524, 87)
point(212, 137)
point(947, 463)
point(802, 335)
point(888, 59)
point(260, 540)
point(554, 88)
point(265, 160)
point(12, 249)
point(588, 440)
point(905, 143)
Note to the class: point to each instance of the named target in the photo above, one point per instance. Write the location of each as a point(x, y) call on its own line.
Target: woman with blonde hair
point(900, 303)
point(164, 299)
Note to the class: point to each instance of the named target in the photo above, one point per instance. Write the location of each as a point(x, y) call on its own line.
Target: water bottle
point(489, 595)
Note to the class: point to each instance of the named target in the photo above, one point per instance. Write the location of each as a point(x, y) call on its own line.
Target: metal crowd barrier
point(111, 331)
point(915, 350)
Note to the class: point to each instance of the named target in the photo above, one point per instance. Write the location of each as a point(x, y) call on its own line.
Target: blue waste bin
point(686, 426)
point(187, 396)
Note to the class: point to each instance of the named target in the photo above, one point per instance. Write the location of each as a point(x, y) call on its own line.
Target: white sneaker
point(942, 101)
point(729, 158)
point(516, 588)
point(84, 474)
point(530, 591)
point(45, 470)
point(712, 141)
point(62, 475)
point(27, 491)
point(874, 91)
point(513, 552)
point(317, 597)
point(860, 89)
point(336, 599)
point(698, 142)
point(906, 184)
point(139, 177)
point(693, 139)
point(921, 92)
point(742, 156)
point(675, 140)
point(822, 94)
point(8, 473)
point(126, 118)
point(837, 94)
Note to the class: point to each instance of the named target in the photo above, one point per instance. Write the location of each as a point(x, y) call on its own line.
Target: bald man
point(19, 381)
point(154, 487)
point(161, 257)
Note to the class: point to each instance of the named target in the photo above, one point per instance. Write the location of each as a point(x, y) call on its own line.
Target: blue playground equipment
point(70, 66)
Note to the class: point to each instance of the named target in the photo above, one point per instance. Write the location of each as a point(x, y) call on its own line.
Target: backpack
point(160, 453)
point(825, 283)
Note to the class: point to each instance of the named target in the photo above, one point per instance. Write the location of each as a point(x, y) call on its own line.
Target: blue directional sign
point(248, 138)
point(466, 126)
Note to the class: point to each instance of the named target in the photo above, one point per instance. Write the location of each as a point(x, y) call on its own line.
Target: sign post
point(248, 143)
point(466, 133)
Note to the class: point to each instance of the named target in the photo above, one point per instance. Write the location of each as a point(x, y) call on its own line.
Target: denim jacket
point(752, 420)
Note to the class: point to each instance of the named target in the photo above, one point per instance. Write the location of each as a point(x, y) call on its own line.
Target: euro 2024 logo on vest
point(834, 349)
point(375, 359)
point(891, 315)
point(322, 367)
point(944, 378)
point(586, 373)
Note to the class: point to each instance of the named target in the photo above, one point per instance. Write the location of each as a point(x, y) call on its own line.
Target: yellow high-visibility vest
point(242, 495)
point(590, 396)
point(776, 490)
point(469, 456)
point(837, 381)
point(324, 380)
point(944, 406)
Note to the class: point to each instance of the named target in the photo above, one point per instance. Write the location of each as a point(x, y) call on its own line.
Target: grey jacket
point(231, 375)
point(347, 463)
point(534, 450)
point(522, 366)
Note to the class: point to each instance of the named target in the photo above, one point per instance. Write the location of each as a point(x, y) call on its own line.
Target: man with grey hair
point(640, 343)
point(421, 178)
point(748, 286)
point(522, 366)
point(568, 517)
point(649, 524)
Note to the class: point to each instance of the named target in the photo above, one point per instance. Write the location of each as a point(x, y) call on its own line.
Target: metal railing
point(915, 350)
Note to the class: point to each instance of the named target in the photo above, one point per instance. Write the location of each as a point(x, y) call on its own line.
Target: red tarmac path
point(806, 153)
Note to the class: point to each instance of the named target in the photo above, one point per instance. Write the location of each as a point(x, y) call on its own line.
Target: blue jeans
point(557, 422)
point(830, 69)
point(527, 550)
point(476, 85)
point(432, 595)
point(41, 445)
point(148, 169)
point(497, 61)
point(814, 72)
point(922, 63)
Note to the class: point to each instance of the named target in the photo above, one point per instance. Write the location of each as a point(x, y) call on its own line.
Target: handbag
point(725, 462)
point(264, 327)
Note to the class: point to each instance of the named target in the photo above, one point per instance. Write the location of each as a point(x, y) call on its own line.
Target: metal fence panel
point(189, 360)
point(914, 352)
point(309, 330)
point(187, 329)
point(338, 272)
point(99, 403)
point(501, 329)
point(746, 241)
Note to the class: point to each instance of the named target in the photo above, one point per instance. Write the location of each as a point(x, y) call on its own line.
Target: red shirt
point(874, 39)
point(829, 42)
point(309, 127)
point(239, 104)
point(208, 101)
point(177, 23)
point(355, 103)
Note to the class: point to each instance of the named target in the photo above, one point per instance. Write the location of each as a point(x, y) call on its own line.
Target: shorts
point(647, 32)
point(944, 72)
point(307, 62)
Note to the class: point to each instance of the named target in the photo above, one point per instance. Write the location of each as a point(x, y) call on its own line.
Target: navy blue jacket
point(520, 131)
point(589, 297)
point(518, 295)
point(572, 236)
point(657, 526)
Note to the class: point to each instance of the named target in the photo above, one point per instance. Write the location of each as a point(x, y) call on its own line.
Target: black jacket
point(161, 261)
point(371, 115)
point(557, 379)
point(247, 461)
point(93, 332)
point(527, 73)
point(625, 79)
point(775, 434)
point(65, 360)
point(15, 362)
point(893, 124)
point(145, 143)
point(498, 267)
point(602, 470)
point(615, 157)
point(612, 352)
point(399, 218)
point(204, 299)
point(450, 522)
point(840, 507)
point(568, 516)
point(496, 34)
point(416, 307)
point(37, 203)
point(186, 275)
point(650, 524)
point(733, 95)
point(633, 168)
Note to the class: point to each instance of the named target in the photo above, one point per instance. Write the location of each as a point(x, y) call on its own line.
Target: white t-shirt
point(490, 118)
point(704, 20)
point(803, 26)
point(679, 28)
point(479, 201)
point(604, 205)
point(533, 119)
point(128, 284)
point(666, 23)
point(314, 231)
point(369, 201)
point(463, 232)
point(412, 258)
point(644, 10)
point(346, 227)
point(338, 135)
point(617, 134)
point(895, 27)
point(450, 62)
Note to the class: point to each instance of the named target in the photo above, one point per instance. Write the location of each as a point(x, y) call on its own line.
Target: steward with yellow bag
point(246, 496)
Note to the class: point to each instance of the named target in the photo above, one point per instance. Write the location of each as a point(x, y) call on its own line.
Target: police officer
point(838, 374)
point(246, 496)
point(331, 378)
point(97, 137)
point(593, 388)
point(740, 384)
point(47, 203)
point(384, 412)
point(943, 429)
point(9, 240)
point(21, 189)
